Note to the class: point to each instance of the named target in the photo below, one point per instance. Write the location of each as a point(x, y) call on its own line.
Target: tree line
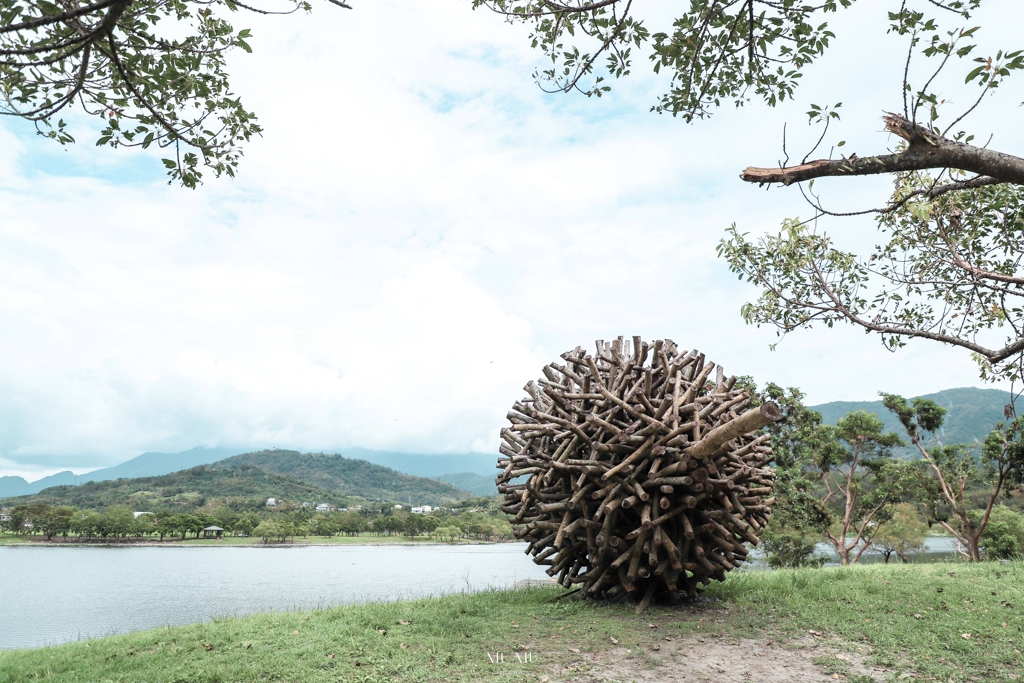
point(843, 485)
point(115, 523)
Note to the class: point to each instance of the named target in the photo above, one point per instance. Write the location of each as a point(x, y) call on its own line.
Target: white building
point(325, 507)
point(139, 514)
point(421, 510)
point(271, 502)
point(398, 507)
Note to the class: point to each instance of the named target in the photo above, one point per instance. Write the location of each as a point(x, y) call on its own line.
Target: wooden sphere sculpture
point(633, 474)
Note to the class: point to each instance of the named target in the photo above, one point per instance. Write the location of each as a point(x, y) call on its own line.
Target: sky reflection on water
point(54, 595)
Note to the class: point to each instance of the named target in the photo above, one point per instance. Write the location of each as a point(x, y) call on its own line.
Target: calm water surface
point(936, 549)
point(54, 595)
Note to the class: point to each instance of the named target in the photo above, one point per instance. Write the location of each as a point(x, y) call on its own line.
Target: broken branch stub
point(633, 474)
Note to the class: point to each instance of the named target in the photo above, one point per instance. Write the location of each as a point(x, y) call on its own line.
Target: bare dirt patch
point(722, 660)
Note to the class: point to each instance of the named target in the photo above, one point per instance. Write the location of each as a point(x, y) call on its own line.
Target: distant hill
point(16, 486)
point(346, 476)
point(154, 464)
point(145, 465)
point(477, 484)
point(427, 465)
point(182, 491)
point(972, 413)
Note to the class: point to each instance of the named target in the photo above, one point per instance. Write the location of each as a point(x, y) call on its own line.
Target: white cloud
point(416, 210)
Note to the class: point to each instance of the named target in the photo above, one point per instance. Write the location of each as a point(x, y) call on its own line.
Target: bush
point(789, 547)
point(1004, 535)
point(798, 522)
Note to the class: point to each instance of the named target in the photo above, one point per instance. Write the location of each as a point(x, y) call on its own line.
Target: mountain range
point(182, 491)
point(971, 413)
point(348, 476)
point(251, 478)
point(473, 472)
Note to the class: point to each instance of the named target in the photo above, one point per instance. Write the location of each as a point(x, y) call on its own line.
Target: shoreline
point(203, 543)
point(766, 626)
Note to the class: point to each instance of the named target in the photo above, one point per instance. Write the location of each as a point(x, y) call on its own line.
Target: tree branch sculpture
point(633, 475)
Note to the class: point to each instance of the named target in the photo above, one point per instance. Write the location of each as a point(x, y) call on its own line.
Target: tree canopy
point(948, 267)
point(151, 71)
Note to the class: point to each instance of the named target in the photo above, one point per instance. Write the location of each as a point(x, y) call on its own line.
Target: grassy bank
point(942, 621)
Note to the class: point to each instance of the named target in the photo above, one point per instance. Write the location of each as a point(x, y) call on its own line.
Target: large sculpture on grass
point(634, 474)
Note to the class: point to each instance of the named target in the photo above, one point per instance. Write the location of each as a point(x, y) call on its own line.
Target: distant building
point(139, 514)
point(398, 507)
point(271, 502)
point(306, 505)
point(325, 507)
point(4, 517)
point(421, 510)
point(213, 532)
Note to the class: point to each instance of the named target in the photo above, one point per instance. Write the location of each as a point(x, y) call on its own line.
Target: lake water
point(936, 549)
point(52, 595)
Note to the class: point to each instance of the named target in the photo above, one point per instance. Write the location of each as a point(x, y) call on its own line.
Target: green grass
point(913, 616)
point(448, 639)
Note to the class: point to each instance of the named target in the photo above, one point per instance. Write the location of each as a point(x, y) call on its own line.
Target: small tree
point(428, 524)
point(1004, 535)
point(861, 480)
point(902, 535)
point(118, 521)
point(322, 525)
point(225, 517)
point(245, 523)
point(163, 525)
point(267, 531)
point(85, 523)
point(22, 515)
point(55, 521)
point(799, 520)
point(955, 467)
point(353, 523)
point(413, 526)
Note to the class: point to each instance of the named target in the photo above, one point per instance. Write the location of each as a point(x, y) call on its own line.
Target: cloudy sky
point(418, 231)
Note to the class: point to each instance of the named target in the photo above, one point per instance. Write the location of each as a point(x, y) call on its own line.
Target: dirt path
point(721, 660)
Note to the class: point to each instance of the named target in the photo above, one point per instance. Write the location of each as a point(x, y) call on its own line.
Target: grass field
point(944, 622)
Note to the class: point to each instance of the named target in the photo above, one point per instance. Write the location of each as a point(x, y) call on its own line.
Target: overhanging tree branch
point(146, 88)
point(925, 150)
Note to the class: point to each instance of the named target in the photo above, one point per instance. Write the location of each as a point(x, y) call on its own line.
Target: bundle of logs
point(633, 474)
